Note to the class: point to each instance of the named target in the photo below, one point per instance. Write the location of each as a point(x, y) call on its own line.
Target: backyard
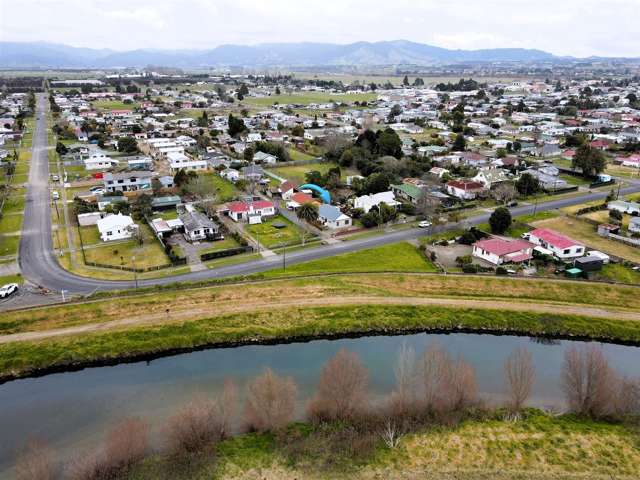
point(297, 173)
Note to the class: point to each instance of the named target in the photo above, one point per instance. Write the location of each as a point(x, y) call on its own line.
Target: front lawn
point(10, 223)
point(272, 237)
point(9, 244)
point(218, 245)
point(149, 254)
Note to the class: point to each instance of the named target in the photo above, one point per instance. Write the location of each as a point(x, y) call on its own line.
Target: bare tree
point(588, 381)
point(87, 466)
point(403, 398)
point(505, 192)
point(448, 385)
point(193, 427)
point(433, 370)
point(35, 462)
point(126, 444)
point(342, 390)
point(270, 402)
point(391, 433)
point(519, 373)
point(226, 407)
point(628, 397)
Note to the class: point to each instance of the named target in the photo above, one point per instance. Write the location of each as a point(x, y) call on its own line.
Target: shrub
point(270, 402)
point(342, 390)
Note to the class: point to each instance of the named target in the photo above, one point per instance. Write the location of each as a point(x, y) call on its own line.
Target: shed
point(588, 264)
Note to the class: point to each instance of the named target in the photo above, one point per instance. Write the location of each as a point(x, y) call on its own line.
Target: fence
point(178, 262)
point(229, 252)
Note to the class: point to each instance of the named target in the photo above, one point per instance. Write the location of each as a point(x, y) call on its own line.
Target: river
point(71, 411)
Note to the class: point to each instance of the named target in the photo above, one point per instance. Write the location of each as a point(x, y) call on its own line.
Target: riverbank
point(109, 331)
point(540, 447)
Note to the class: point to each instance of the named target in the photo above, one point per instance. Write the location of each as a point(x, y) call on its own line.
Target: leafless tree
point(391, 433)
point(588, 381)
point(403, 398)
point(270, 402)
point(519, 375)
point(505, 192)
point(193, 427)
point(87, 466)
point(342, 390)
point(226, 408)
point(448, 385)
point(35, 462)
point(628, 397)
point(433, 371)
point(126, 444)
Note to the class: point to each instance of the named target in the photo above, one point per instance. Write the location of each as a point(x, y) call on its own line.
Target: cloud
point(567, 27)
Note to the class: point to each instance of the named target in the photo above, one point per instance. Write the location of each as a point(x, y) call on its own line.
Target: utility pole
point(135, 271)
point(535, 207)
point(284, 256)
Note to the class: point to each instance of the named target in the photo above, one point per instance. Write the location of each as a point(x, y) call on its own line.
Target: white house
point(634, 225)
point(230, 174)
point(179, 161)
point(632, 208)
point(366, 202)
point(116, 227)
point(498, 251)
point(262, 157)
point(331, 217)
point(464, 189)
point(239, 211)
point(561, 246)
point(99, 161)
point(491, 176)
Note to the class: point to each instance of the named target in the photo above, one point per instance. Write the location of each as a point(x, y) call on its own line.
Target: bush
point(270, 402)
point(342, 390)
point(470, 268)
point(501, 271)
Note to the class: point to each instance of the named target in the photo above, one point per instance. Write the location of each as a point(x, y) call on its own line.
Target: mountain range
point(398, 52)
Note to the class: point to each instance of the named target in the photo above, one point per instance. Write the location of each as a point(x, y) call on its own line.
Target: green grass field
point(271, 237)
point(298, 155)
point(225, 190)
point(10, 223)
point(9, 244)
point(399, 257)
point(113, 105)
point(150, 254)
point(296, 173)
point(307, 98)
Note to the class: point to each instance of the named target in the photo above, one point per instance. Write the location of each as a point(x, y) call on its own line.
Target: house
point(140, 163)
point(99, 161)
point(560, 245)
point(262, 157)
point(331, 217)
point(197, 226)
point(179, 161)
point(632, 208)
point(116, 227)
point(126, 181)
point(252, 173)
point(408, 192)
point(549, 150)
point(299, 198)
point(439, 172)
point(366, 202)
point(547, 181)
point(490, 177)
point(286, 190)
point(498, 251)
point(230, 174)
point(240, 210)
point(169, 201)
point(464, 189)
point(90, 218)
point(634, 225)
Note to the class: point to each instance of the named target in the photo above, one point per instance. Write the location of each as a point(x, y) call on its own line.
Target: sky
point(563, 27)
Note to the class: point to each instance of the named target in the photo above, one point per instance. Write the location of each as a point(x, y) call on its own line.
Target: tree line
point(433, 388)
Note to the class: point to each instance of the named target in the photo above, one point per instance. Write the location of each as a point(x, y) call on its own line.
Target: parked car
point(55, 178)
point(98, 190)
point(8, 289)
point(512, 204)
point(55, 195)
point(424, 224)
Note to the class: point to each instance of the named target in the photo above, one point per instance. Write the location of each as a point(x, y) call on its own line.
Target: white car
point(97, 190)
point(55, 195)
point(424, 224)
point(8, 289)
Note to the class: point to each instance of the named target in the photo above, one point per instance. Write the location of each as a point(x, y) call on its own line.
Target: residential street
point(39, 266)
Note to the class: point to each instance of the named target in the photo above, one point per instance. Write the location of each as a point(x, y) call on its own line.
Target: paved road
point(38, 263)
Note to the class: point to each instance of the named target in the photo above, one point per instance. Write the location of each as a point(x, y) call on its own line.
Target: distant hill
point(398, 52)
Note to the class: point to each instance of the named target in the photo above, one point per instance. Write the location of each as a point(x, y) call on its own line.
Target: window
point(109, 234)
point(567, 251)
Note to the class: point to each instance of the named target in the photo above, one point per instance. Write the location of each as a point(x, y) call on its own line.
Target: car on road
point(8, 289)
point(424, 224)
point(512, 204)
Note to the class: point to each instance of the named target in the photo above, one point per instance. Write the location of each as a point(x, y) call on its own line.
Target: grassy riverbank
point(540, 447)
point(290, 323)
